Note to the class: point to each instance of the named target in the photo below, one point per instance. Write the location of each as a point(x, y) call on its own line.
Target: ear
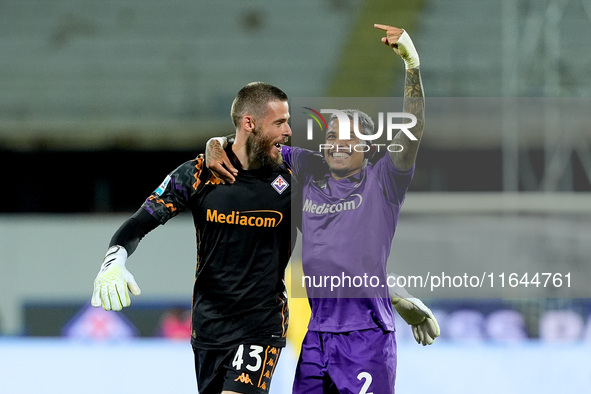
point(247, 123)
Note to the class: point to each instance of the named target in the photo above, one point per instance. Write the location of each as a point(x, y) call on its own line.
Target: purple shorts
point(349, 362)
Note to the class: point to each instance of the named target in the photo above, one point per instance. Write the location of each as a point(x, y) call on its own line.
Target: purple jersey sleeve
point(394, 180)
point(298, 160)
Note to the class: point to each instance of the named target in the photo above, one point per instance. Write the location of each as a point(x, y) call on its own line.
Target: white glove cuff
point(396, 291)
point(222, 140)
point(115, 255)
point(406, 50)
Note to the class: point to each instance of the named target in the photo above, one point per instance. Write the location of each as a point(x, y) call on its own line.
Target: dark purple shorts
point(351, 362)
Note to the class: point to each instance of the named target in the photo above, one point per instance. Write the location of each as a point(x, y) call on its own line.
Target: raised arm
point(414, 100)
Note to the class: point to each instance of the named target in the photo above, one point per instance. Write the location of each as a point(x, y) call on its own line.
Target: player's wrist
point(116, 255)
point(223, 141)
point(407, 51)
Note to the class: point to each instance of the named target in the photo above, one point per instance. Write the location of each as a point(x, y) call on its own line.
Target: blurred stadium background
point(100, 100)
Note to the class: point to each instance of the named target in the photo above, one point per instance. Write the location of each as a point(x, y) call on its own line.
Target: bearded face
point(263, 148)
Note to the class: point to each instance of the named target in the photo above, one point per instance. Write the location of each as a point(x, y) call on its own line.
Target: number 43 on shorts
point(255, 364)
point(255, 354)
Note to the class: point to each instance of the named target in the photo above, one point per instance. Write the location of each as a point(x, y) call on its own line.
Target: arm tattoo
point(414, 103)
point(413, 86)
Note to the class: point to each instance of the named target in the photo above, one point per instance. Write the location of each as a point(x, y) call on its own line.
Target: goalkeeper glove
point(113, 281)
point(424, 325)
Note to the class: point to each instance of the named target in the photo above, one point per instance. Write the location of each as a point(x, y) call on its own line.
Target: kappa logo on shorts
point(279, 184)
point(243, 378)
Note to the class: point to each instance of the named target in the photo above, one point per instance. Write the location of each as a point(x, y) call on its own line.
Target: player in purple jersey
point(349, 215)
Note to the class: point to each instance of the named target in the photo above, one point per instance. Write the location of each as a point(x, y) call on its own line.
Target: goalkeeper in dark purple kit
point(350, 346)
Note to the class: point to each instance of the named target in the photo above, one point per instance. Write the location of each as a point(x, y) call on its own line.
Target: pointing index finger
point(382, 27)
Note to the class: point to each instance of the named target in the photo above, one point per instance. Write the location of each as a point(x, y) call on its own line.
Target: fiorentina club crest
point(280, 184)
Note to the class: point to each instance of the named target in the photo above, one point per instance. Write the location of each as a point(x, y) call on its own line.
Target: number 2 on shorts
point(367, 382)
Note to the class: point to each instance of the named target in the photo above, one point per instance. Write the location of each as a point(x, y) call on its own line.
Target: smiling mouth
point(279, 145)
point(339, 155)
